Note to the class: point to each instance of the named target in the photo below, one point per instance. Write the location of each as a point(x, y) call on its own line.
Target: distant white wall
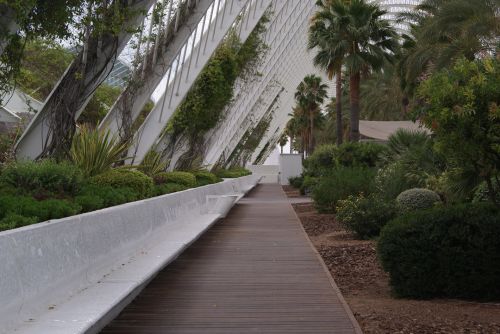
point(290, 166)
point(267, 173)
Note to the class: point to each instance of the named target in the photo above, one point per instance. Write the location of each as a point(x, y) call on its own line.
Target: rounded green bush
point(184, 178)
point(322, 160)
point(359, 154)
point(13, 220)
point(417, 199)
point(365, 216)
point(139, 182)
point(43, 177)
point(43, 210)
point(232, 173)
point(168, 188)
point(110, 196)
point(451, 252)
point(205, 177)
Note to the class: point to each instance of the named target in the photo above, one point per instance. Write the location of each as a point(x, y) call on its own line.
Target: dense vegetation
point(430, 196)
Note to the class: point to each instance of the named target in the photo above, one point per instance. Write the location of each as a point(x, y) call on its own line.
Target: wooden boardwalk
point(253, 272)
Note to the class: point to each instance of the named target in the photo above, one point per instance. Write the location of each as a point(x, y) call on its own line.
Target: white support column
point(189, 38)
point(182, 78)
point(37, 134)
point(293, 31)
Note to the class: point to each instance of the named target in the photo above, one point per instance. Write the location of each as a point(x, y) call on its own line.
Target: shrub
point(141, 184)
point(308, 184)
point(321, 161)
point(340, 184)
point(43, 210)
point(184, 178)
point(110, 196)
point(205, 177)
point(391, 181)
point(168, 188)
point(232, 173)
point(417, 199)
point(14, 221)
point(89, 202)
point(444, 252)
point(43, 177)
point(359, 154)
point(296, 181)
point(481, 194)
point(365, 216)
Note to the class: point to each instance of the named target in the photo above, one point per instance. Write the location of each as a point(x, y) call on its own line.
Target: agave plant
point(153, 164)
point(95, 151)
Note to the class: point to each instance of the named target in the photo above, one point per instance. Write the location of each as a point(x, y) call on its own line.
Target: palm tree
point(324, 35)
point(311, 94)
point(368, 40)
point(443, 31)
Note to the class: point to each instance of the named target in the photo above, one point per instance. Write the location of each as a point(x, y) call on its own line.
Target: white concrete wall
point(290, 166)
point(43, 265)
point(266, 173)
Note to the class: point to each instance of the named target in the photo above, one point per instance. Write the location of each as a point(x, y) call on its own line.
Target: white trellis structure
point(176, 49)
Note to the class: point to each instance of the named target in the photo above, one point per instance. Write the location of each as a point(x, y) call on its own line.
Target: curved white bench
point(74, 275)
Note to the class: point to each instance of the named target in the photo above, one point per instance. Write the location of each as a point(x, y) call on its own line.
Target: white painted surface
point(72, 275)
point(266, 173)
point(290, 166)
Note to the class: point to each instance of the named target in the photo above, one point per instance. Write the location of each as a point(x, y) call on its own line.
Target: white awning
point(381, 130)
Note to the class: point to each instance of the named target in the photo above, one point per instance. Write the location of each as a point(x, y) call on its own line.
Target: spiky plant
point(95, 151)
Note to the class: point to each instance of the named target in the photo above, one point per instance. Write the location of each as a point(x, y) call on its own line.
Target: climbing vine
point(203, 108)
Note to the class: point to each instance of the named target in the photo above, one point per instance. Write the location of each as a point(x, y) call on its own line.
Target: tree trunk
point(8, 26)
point(281, 149)
point(338, 108)
point(311, 133)
point(291, 145)
point(354, 88)
point(56, 122)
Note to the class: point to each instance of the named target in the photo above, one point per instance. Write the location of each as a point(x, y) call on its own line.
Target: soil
point(365, 286)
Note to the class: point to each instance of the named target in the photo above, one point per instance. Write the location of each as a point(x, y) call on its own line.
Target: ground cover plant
point(32, 192)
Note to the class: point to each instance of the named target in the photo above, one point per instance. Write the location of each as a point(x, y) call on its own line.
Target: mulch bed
point(365, 286)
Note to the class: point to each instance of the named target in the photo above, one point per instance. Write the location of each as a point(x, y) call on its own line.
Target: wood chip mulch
point(365, 286)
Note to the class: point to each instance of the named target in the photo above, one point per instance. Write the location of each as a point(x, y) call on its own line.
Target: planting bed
point(355, 268)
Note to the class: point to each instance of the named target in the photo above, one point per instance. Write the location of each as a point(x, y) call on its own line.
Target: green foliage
point(461, 106)
point(100, 104)
point(139, 182)
point(308, 184)
point(44, 62)
point(42, 210)
point(14, 221)
point(42, 178)
point(204, 177)
point(391, 180)
point(91, 195)
point(340, 184)
point(417, 199)
point(448, 252)
point(152, 164)
point(232, 173)
point(296, 181)
point(90, 202)
point(359, 154)
point(184, 178)
point(482, 194)
point(95, 151)
point(322, 161)
point(327, 157)
point(168, 188)
point(365, 216)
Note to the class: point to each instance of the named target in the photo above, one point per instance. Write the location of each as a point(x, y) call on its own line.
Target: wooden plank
point(253, 272)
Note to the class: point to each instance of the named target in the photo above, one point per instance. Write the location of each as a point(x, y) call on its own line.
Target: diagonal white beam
point(184, 76)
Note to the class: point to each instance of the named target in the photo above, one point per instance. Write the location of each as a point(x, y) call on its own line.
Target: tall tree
point(443, 31)
point(311, 94)
point(369, 39)
point(325, 36)
point(24, 20)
